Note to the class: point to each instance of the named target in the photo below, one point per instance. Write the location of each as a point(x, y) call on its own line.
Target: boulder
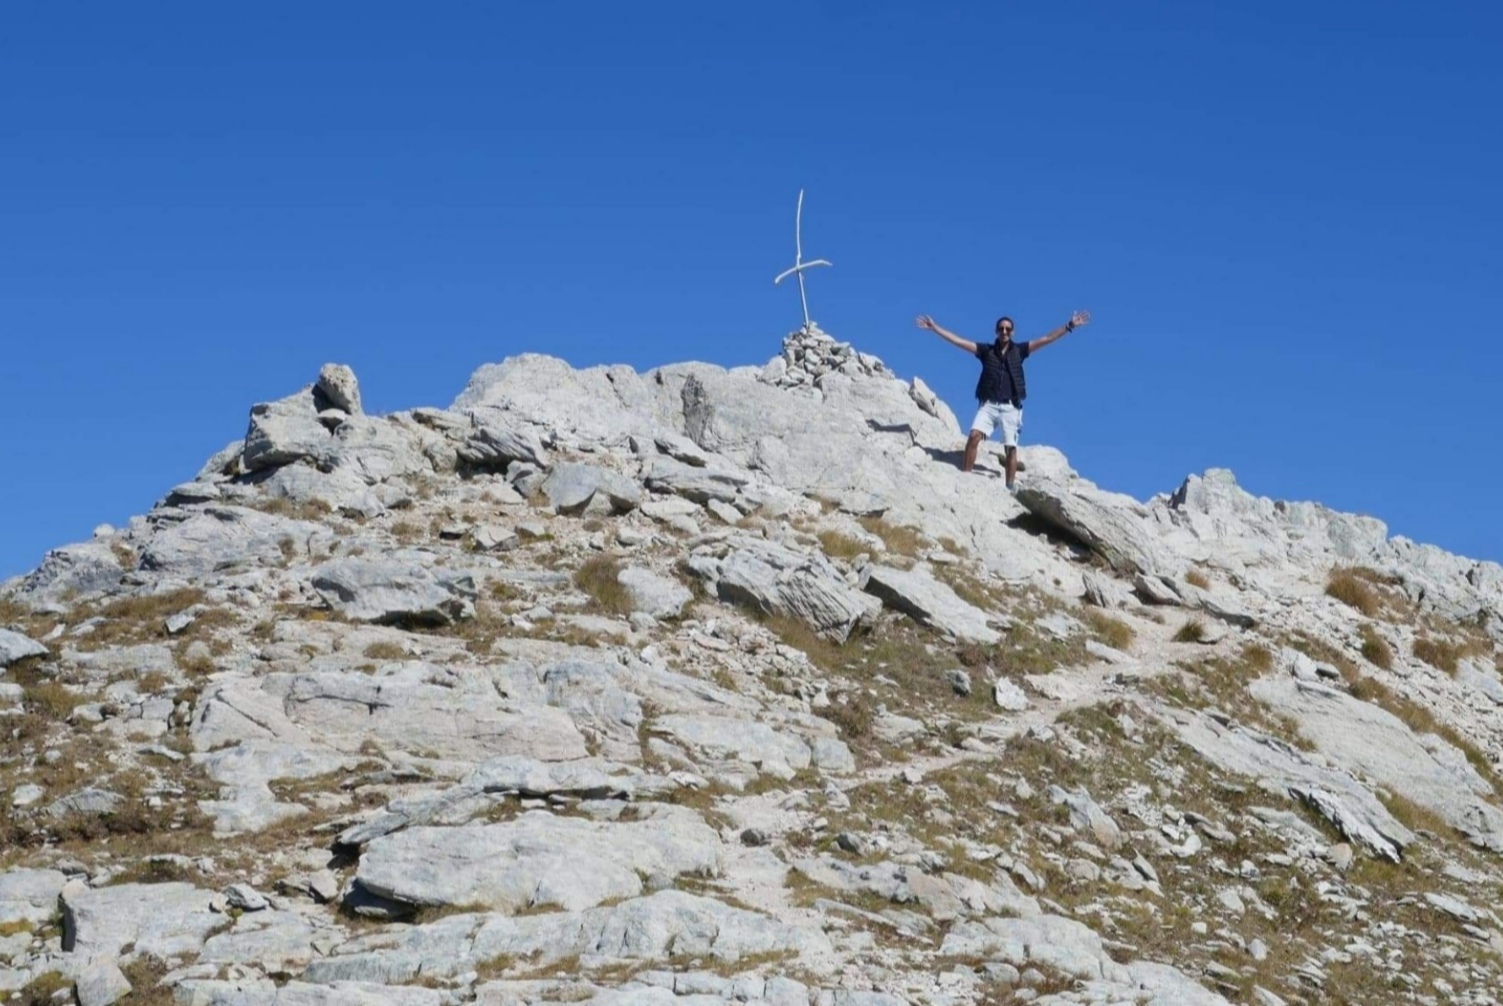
point(495, 442)
point(653, 928)
point(101, 983)
point(1367, 739)
point(285, 431)
point(757, 744)
point(15, 647)
point(693, 482)
point(241, 993)
point(508, 775)
point(571, 486)
point(1116, 527)
point(916, 593)
point(780, 580)
point(338, 388)
point(74, 570)
point(538, 860)
point(222, 539)
point(659, 596)
point(29, 896)
point(1334, 794)
point(162, 920)
point(394, 591)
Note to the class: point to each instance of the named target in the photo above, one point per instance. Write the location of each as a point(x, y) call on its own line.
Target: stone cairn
point(810, 353)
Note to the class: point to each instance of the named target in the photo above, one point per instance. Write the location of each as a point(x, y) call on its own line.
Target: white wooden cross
point(799, 265)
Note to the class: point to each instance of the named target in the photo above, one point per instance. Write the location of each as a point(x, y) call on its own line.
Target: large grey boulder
point(495, 441)
point(267, 993)
point(1367, 739)
point(916, 593)
point(771, 751)
point(595, 404)
point(276, 942)
point(378, 448)
point(15, 647)
point(218, 539)
point(538, 860)
point(570, 486)
point(101, 983)
point(1334, 794)
point(1116, 527)
point(504, 777)
point(657, 595)
point(780, 580)
point(394, 591)
point(695, 482)
point(339, 388)
point(285, 431)
point(244, 773)
point(454, 712)
point(161, 920)
point(652, 928)
point(29, 896)
point(1048, 940)
point(73, 570)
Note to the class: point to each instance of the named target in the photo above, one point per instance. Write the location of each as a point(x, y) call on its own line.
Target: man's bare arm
point(926, 322)
point(1077, 319)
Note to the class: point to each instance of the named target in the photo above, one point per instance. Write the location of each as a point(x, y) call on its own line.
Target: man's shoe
point(1012, 487)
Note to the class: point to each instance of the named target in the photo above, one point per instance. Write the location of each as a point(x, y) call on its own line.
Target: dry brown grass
point(193, 661)
point(1416, 817)
point(312, 510)
point(1375, 649)
point(899, 538)
point(598, 576)
point(899, 664)
point(43, 990)
point(1193, 631)
point(406, 532)
point(385, 649)
point(1354, 590)
point(1221, 682)
point(1109, 630)
point(1442, 654)
point(145, 975)
point(853, 713)
point(1196, 578)
point(842, 546)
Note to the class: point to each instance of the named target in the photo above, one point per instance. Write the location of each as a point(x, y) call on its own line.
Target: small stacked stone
point(810, 353)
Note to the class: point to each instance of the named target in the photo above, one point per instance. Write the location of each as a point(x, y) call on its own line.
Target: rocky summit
point(704, 686)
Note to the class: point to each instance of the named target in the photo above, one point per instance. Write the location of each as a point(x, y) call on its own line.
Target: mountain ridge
point(702, 685)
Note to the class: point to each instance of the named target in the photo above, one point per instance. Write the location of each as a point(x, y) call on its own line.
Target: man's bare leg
point(1012, 466)
point(972, 445)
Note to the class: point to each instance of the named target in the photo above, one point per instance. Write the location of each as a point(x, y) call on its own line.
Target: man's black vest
point(996, 369)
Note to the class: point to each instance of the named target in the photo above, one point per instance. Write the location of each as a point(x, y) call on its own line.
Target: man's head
point(1004, 330)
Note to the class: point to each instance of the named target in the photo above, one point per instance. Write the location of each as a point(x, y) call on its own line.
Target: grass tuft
point(1112, 631)
point(1193, 631)
point(898, 538)
point(1353, 590)
point(841, 546)
point(1196, 578)
point(1439, 654)
point(1375, 650)
point(597, 577)
point(385, 649)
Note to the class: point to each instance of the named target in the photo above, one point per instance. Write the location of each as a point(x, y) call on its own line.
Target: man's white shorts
point(994, 414)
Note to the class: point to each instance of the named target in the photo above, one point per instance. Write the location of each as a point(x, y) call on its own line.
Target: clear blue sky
point(1285, 217)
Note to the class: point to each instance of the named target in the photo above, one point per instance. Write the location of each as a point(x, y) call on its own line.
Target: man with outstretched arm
point(1001, 389)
